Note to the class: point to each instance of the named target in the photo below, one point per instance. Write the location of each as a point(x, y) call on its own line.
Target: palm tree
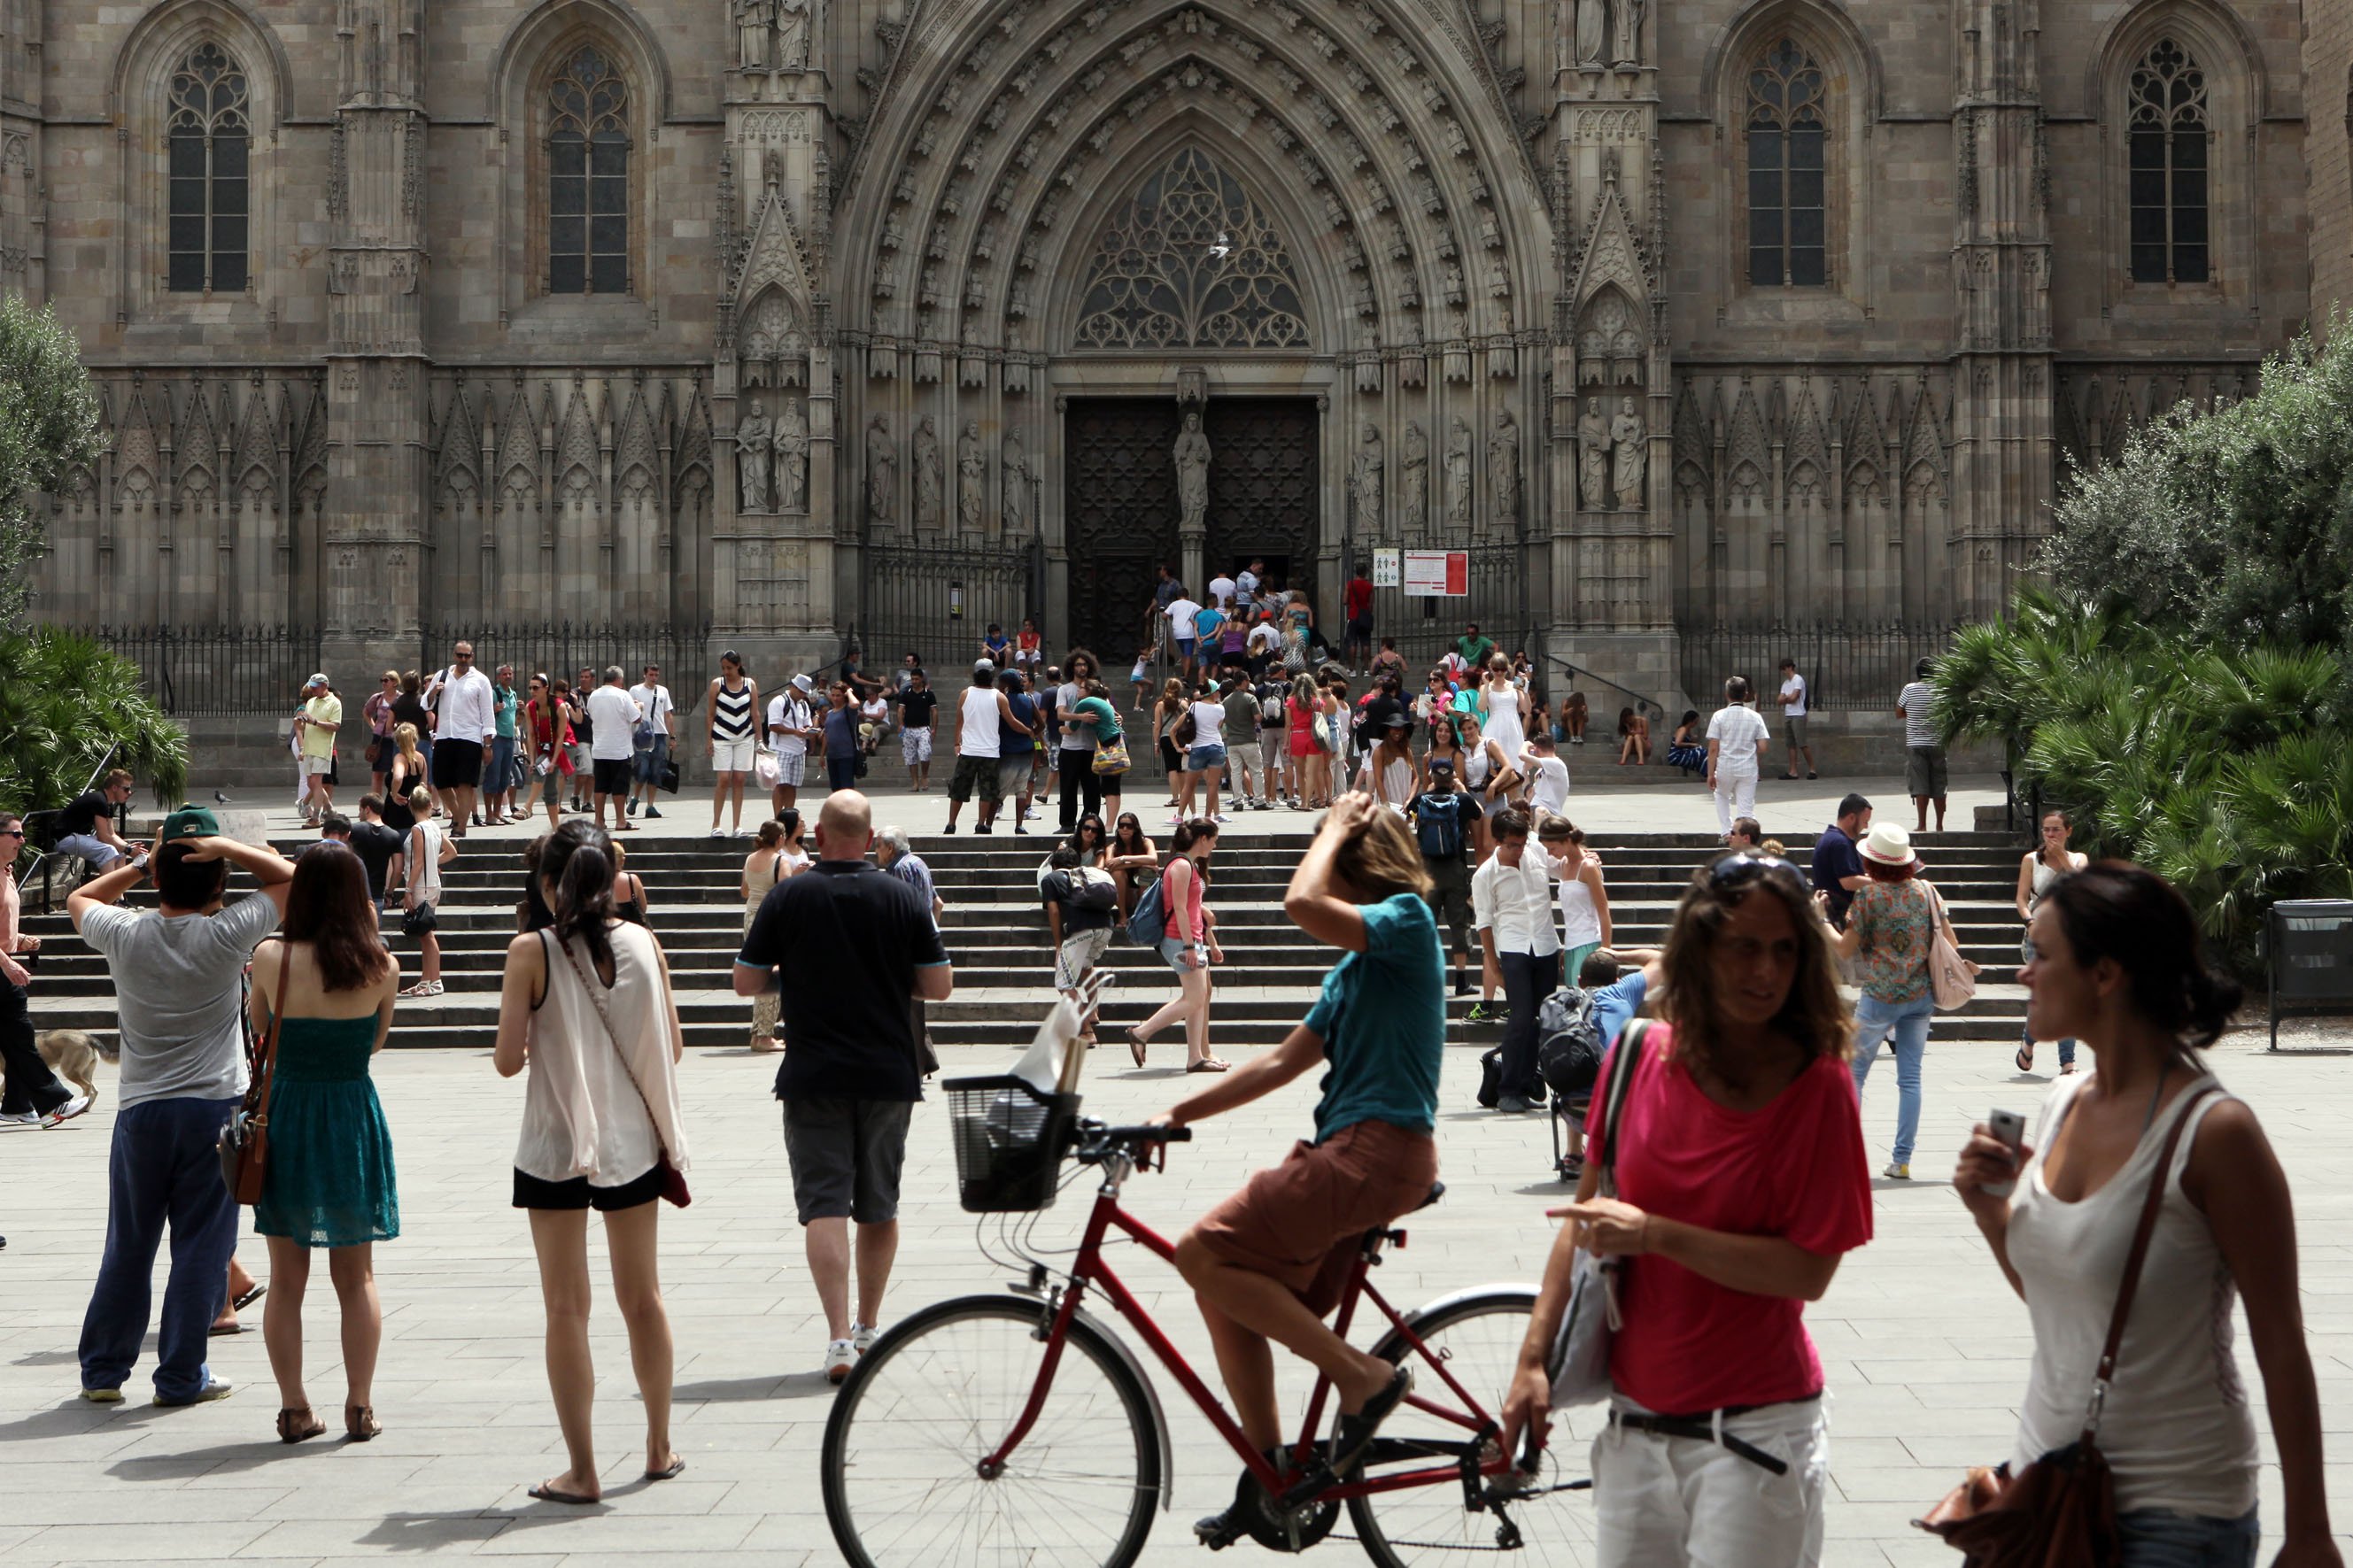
point(70, 706)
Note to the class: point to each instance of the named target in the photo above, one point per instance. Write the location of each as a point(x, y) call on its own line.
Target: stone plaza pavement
point(1925, 1350)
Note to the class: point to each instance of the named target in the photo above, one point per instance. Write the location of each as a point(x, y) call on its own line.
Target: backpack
point(1568, 1042)
point(1437, 824)
point(1093, 889)
point(1150, 919)
point(1491, 1077)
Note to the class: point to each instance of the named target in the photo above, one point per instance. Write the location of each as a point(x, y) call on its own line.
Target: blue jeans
point(2156, 1538)
point(497, 777)
point(163, 1169)
point(648, 759)
point(1908, 1021)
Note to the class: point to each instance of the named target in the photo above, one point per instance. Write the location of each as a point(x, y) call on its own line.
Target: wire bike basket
point(1010, 1142)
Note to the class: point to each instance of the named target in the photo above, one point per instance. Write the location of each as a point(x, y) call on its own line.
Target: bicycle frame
point(1089, 1269)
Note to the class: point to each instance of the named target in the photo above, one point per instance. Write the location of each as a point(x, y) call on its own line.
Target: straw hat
point(1889, 844)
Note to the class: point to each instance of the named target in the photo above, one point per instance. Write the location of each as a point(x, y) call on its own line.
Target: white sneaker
point(27, 1118)
point(68, 1111)
point(840, 1355)
point(861, 1337)
point(1219, 816)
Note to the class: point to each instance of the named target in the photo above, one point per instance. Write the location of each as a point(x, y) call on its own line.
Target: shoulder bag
point(245, 1137)
point(1579, 1362)
point(673, 1180)
point(1949, 979)
point(2061, 1511)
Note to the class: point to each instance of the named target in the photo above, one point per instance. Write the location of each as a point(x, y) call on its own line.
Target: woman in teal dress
point(328, 1182)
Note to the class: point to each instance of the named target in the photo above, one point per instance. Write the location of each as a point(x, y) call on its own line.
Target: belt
point(1707, 1426)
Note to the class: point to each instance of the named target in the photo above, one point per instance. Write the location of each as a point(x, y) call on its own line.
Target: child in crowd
point(1140, 678)
point(1574, 715)
point(1029, 650)
point(995, 647)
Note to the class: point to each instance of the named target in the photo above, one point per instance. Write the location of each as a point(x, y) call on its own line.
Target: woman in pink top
point(1742, 1180)
point(1188, 942)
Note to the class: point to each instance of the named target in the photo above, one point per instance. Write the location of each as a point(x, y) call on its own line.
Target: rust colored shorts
point(1299, 1222)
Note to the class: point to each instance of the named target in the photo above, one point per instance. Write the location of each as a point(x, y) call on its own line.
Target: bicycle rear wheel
point(937, 1394)
point(1478, 1337)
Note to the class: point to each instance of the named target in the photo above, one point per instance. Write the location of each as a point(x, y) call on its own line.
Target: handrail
point(1648, 707)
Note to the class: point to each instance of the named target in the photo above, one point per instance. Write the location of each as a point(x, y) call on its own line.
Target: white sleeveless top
point(979, 738)
point(1581, 921)
point(582, 1115)
point(2176, 1427)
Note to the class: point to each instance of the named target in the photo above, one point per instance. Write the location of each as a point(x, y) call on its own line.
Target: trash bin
point(2308, 951)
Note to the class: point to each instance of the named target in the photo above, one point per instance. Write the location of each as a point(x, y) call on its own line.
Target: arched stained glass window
point(588, 178)
point(1789, 131)
point(1193, 262)
point(208, 137)
point(2166, 149)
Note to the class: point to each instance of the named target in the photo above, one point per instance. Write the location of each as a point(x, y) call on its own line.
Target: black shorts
point(846, 1155)
point(457, 765)
point(612, 775)
point(1361, 630)
point(532, 1193)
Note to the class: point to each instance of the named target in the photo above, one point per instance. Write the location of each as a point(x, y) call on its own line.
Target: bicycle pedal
point(1219, 1530)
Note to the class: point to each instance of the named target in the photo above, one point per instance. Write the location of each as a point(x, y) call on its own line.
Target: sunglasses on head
point(1734, 869)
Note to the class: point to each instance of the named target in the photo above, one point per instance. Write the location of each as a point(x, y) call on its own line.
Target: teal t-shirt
point(507, 698)
point(1382, 1018)
point(1094, 710)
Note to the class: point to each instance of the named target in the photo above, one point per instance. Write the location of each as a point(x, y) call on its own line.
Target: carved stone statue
point(792, 457)
point(1458, 479)
point(1191, 456)
point(1364, 479)
point(1592, 30)
point(972, 478)
point(792, 34)
point(1593, 458)
point(1504, 469)
point(752, 19)
point(1564, 28)
point(752, 459)
point(1413, 482)
point(881, 474)
point(928, 495)
point(1627, 45)
point(1628, 436)
point(1017, 488)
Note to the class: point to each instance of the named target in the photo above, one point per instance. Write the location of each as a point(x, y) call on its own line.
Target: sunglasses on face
point(12, 833)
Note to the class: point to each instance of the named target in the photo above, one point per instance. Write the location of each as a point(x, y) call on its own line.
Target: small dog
point(73, 1056)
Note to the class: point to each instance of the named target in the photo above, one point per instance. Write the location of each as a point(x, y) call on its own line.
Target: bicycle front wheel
point(1478, 1337)
point(939, 1393)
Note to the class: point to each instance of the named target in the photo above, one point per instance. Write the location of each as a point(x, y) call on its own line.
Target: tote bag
point(1579, 1363)
point(1949, 979)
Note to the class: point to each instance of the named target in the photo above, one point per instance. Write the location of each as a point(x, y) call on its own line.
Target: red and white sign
point(1437, 574)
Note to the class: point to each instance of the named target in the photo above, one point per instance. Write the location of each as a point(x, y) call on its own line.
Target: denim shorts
point(1205, 759)
point(2160, 1537)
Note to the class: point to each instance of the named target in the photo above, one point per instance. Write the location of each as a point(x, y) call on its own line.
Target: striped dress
point(731, 713)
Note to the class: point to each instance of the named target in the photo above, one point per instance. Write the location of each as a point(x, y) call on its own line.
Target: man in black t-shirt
point(851, 1077)
point(376, 845)
point(85, 825)
point(919, 712)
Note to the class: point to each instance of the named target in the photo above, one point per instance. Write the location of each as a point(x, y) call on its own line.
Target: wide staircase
point(995, 933)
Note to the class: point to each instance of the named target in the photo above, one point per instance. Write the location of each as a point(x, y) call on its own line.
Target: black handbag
point(667, 783)
point(417, 920)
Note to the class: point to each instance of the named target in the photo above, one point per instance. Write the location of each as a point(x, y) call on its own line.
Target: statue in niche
point(1503, 469)
point(881, 474)
point(752, 19)
point(1564, 28)
point(928, 496)
point(1191, 456)
point(792, 34)
point(972, 478)
point(1413, 481)
point(1628, 436)
point(1364, 479)
point(1458, 479)
point(1627, 49)
point(1593, 453)
point(1016, 486)
point(792, 457)
point(752, 459)
point(1592, 30)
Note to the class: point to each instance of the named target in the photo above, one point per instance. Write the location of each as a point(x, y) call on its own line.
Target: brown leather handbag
point(245, 1137)
point(2061, 1511)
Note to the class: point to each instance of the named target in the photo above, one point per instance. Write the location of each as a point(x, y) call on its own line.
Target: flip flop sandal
point(546, 1493)
point(676, 1467)
point(2024, 1058)
point(1208, 1064)
point(1136, 1047)
point(250, 1298)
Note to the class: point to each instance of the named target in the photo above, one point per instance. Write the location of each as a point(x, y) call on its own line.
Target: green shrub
point(65, 703)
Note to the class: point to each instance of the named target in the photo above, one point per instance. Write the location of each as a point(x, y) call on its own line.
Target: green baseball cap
point(190, 822)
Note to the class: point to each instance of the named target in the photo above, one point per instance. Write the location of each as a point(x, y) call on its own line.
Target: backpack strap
point(1632, 1043)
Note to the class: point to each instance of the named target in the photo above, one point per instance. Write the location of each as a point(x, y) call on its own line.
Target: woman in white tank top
point(587, 1007)
point(2118, 966)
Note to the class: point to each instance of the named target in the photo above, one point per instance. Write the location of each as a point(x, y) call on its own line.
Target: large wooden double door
point(1119, 503)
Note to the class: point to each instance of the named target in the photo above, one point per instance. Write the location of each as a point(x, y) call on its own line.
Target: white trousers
point(1680, 1502)
point(1736, 795)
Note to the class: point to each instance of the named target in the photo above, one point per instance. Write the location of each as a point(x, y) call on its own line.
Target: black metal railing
point(216, 669)
point(560, 649)
point(1847, 665)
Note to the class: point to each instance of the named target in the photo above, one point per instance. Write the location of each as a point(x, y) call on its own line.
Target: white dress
point(1502, 722)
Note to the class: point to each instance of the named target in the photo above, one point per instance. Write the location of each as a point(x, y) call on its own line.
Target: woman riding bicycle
point(1271, 1260)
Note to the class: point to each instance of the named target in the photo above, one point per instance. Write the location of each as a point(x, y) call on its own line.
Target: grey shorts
point(1924, 772)
point(1793, 729)
point(1013, 773)
point(791, 766)
point(846, 1155)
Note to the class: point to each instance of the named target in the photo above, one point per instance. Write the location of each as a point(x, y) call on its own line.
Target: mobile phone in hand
point(2009, 1127)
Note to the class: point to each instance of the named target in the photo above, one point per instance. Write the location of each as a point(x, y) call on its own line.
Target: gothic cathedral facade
point(807, 320)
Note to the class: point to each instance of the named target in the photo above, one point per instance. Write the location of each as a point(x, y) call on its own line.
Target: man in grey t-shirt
point(179, 980)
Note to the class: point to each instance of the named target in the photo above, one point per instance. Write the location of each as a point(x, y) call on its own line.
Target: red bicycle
point(1021, 1429)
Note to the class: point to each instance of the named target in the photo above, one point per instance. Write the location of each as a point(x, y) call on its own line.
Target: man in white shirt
point(1261, 645)
point(655, 735)
point(1737, 742)
point(792, 725)
point(464, 725)
point(615, 713)
point(1247, 580)
point(983, 719)
point(1792, 700)
point(1548, 777)
point(1221, 589)
point(1184, 618)
point(1510, 901)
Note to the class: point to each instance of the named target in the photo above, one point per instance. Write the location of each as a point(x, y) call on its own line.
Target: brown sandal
point(299, 1426)
point(360, 1423)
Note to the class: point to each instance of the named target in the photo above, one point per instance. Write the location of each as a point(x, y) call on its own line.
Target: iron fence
point(1425, 627)
point(938, 602)
point(1847, 665)
point(216, 669)
point(560, 649)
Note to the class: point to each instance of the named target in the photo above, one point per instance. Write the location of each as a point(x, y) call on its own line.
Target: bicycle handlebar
point(1095, 1132)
